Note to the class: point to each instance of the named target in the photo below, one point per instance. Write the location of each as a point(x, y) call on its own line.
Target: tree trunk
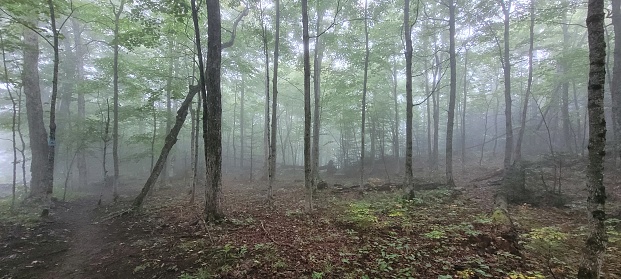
point(79, 64)
point(272, 167)
point(266, 123)
point(242, 122)
point(518, 146)
point(409, 177)
point(115, 98)
point(364, 92)
point(307, 107)
point(566, 121)
point(212, 114)
point(395, 139)
point(169, 80)
point(436, 113)
point(317, 58)
point(154, 134)
point(169, 142)
point(506, 9)
point(453, 92)
point(13, 119)
point(595, 248)
point(485, 131)
point(34, 109)
point(463, 113)
point(52, 137)
point(616, 82)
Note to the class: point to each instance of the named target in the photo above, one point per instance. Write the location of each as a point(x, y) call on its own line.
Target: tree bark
point(307, 107)
point(317, 59)
point(272, 167)
point(13, 119)
point(52, 136)
point(34, 109)
point(616, 82)
point(450, 181)
point(242, 122)
point(170, 141)
point(506, 9)
point(115, 98)
point(409, 177)
point(395, 133)
point(169, 80)
point(364, 92)
point(266, 119)
point(595, 248)
point(463, 113)
point(212, 114)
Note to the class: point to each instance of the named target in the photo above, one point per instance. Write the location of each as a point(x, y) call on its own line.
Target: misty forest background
point(98, 97)
point(156, 64)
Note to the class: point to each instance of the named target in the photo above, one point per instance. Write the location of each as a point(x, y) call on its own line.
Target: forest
point(310, 139)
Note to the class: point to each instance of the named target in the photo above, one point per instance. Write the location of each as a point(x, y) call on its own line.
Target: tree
point(38, 134)
point(212, 114)
point(117, 11)
point(52, 136)
point(616, 82)
point(272, 157)
point(364, 90)
point(453, 92)
point(307, 113)
point(595, 247)
point(506, 66)
point(79, 72)
point(13, 119)
point(409, 176)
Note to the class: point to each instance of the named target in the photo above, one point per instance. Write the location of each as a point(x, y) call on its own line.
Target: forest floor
point(442, 233)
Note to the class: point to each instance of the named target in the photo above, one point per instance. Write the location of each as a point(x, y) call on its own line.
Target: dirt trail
point(86, 238)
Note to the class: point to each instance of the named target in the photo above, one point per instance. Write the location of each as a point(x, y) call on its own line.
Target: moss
point(500, 217)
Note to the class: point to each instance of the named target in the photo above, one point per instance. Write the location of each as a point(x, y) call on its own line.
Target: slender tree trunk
point(531, 40)
point(395, 139)
point(212, 114)
point(463, 113)
point(272, 167)
point(409, 177)
point(52, 136)
point(193, 153)
point(79, 64)
point(171, 139)
point(266, 123)
point(22, 149)
point(484, 132)
point(364, 93)
point(496, 127)
point(317, 58)
point(169, 80)
point(453, 92)
point(34, 108)
point(595, 248)
point(13, 119)
point(307, 107)
point(242, 122)
point(616, 82)
point(436, 114)
point(566, 121)
point(115, 98)
point(105, 139)
point(154, 134)
point(506, 9)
